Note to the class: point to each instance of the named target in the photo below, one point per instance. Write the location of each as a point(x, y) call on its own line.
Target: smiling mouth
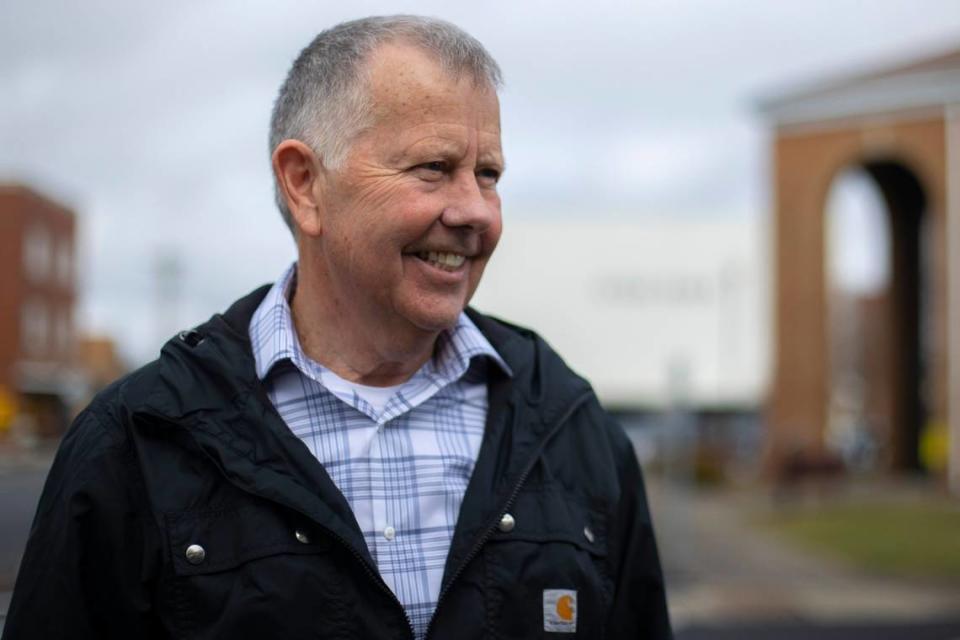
point(442, 259)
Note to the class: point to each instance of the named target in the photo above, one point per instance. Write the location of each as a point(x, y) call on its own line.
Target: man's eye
point(437, 166)
point(488, 177)
point(431, 171)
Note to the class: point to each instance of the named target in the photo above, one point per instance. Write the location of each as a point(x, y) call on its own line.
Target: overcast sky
point(150, 119)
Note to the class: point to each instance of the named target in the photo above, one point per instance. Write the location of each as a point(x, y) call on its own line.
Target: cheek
point(377, 196)
point(400, 209)
point(367, 202)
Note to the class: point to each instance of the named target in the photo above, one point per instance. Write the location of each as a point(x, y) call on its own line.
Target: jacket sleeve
point(88, 561)
point(640, 604)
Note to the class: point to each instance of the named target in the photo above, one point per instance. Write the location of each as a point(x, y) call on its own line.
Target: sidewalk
point(720, 570)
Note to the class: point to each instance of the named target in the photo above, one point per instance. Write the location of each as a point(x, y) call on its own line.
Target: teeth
point(443, 259)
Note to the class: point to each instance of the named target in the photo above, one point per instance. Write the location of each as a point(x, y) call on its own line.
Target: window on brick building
point(34, 328)
point(64, 263)
point(64, 334)
point(37, 253)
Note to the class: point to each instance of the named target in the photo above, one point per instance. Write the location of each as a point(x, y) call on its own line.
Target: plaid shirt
point(403, 469)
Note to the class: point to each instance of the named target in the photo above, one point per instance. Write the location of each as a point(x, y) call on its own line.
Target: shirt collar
point(275, 340)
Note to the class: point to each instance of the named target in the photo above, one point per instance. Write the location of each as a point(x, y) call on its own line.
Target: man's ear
point(299, 175)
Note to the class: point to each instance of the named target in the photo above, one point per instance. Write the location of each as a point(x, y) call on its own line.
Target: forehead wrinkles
point(456, 125)
point(415, 102)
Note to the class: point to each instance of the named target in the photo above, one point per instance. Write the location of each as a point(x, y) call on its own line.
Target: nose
point(469, 205)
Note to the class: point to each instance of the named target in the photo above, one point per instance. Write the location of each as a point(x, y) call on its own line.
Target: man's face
point(413, 214)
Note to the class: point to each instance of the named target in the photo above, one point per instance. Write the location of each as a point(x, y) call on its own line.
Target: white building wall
point(651, 313)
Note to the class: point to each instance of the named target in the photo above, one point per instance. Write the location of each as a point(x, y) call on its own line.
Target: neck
point(368, 351)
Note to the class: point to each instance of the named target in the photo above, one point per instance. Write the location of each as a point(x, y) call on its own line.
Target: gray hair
point(325, 101)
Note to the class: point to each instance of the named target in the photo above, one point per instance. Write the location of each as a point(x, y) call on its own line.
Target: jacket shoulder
point(104, 421)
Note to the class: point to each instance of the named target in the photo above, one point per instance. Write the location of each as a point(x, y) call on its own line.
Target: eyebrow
point(429, 145)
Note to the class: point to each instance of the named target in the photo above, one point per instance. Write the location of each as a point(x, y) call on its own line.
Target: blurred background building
point(883, 367)
point(653, 313)
point(37, 338)
point(748, 330)
point(46, 370)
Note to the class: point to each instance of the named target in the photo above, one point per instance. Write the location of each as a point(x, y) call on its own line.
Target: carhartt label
point(560, 610)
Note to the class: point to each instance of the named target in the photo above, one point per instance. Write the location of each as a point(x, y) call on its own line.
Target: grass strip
point(911, 540)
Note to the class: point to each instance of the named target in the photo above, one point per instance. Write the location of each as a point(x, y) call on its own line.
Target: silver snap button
point(588, 534)
point(389, 533)
point(195, 554)
point(301, 536)
point(507, 523)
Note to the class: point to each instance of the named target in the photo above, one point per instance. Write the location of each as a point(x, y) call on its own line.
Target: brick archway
point(903, 127)
point(879, 351)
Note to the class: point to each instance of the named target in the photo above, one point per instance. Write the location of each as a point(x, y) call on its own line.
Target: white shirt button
point(507, 523)
point(389, 533)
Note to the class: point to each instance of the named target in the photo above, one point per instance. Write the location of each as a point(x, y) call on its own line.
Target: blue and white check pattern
point(403, 470)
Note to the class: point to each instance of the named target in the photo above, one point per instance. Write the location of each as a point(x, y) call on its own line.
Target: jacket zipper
point(374, 575)
point(482, 540)
point(377, 578)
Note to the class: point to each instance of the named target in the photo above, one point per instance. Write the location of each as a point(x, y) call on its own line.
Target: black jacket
point(189, 451)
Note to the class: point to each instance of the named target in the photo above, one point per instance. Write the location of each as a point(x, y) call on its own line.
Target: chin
point(438, 323)
point(435, 318)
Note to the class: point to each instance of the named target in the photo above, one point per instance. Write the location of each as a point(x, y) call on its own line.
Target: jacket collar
point(218, 352)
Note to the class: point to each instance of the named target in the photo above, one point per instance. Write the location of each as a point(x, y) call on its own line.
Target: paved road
point(722, 571)
point(19, 493)
point(21, 481)
point(945, 630)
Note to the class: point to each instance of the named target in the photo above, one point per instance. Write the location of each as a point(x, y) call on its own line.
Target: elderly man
point(351, 453)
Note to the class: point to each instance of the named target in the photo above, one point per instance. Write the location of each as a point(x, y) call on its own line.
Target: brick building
point(901, 126)
point(37, 281)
